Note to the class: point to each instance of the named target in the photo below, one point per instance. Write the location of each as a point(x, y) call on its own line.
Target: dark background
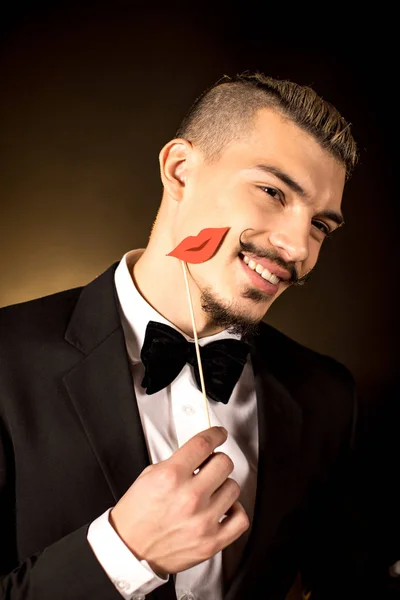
point(90, 92)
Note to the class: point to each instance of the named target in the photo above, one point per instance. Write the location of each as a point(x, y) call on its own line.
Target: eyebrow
point(298, 189)
point(332, 216)
point(289, 181)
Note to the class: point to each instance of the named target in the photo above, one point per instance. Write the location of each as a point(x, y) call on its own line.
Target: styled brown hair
point(223, 110)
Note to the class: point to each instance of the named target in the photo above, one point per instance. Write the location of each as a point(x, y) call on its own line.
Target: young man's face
point(279, 193)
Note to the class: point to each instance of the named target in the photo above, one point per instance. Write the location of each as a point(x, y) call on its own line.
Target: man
point(113, 484)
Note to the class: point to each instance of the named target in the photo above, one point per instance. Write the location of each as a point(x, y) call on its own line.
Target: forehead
point(276, 141)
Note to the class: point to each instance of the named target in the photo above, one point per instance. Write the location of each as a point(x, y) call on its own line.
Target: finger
point(196, 450)
point(234, 525)
point(214, 472)
point(225, 497)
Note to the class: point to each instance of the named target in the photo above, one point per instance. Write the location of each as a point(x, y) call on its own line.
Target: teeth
point(272, 278)
point(265, 273)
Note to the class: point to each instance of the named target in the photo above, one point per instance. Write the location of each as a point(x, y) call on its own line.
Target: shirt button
point(188, 410)
point(188, 596)
point(123, 585)
point(139, 597)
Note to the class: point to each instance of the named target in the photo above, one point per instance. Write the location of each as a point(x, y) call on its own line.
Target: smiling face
point(280, 194)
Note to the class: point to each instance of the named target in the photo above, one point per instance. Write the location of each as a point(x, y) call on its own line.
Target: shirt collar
point(136, 312)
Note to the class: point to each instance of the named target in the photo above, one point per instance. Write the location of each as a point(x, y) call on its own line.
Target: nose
point(291, 238)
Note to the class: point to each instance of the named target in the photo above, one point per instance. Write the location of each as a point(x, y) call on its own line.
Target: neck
point(160, 280)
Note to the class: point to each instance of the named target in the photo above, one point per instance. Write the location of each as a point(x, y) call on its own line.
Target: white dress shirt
point(169, 418)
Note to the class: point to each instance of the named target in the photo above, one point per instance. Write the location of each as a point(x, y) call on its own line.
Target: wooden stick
point(196, 341)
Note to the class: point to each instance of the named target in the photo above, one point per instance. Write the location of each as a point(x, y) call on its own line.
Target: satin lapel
point(102, 392)
point(101, 387)
point(279, 429)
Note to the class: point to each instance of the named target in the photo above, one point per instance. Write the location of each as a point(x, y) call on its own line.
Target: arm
point(67, 569)
point(179, 525)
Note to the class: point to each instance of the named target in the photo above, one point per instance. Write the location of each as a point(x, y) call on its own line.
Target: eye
point(322, 227)
point(271, 191)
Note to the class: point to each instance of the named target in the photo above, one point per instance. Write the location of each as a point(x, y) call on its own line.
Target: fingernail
point(223, 430)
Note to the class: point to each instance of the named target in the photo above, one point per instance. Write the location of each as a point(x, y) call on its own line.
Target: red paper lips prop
point(199, 248)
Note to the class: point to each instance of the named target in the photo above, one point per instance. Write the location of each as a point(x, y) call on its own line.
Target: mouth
point(260, 276)
point(262, 271)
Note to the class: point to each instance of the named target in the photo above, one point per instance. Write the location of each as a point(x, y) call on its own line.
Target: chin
point(233, 313)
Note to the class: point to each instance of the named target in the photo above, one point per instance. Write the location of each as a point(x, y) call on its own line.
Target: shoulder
point(323, 386)
point(32, 344)
point(286, 355)
point(32, 335)
point(46, 314)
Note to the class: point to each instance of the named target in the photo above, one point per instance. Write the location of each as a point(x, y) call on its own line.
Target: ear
point(174, 165)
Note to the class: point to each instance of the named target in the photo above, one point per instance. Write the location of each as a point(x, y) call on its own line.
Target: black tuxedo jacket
point(71, 444)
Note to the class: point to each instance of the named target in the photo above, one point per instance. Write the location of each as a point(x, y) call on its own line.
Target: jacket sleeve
point(64, 570)
point(67, 569)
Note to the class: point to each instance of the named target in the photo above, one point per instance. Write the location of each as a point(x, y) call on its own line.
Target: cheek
point(215, 272)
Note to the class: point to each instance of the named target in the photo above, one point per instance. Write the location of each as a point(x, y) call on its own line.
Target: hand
point(175, 519)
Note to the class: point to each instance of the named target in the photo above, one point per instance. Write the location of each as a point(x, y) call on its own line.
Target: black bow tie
point(165, 351)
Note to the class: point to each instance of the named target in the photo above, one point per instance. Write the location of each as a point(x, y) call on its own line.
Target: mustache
point(274, 256)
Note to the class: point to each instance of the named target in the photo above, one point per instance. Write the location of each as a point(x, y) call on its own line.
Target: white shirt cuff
point(133, 578)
